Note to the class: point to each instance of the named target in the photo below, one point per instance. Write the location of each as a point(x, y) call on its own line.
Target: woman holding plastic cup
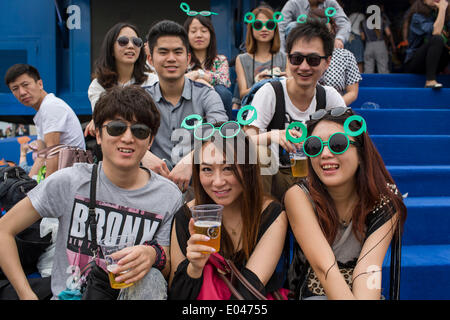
point(253, 226)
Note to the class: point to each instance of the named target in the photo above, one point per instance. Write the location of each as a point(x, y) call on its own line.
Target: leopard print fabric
point(313, 282)
point(316, 288)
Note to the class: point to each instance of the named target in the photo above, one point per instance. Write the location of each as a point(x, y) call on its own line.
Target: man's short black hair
point(309, 30)
point(132, 103)
point(166, 28)
point(19, 69)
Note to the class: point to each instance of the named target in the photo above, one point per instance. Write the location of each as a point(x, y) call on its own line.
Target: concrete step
point(425, 273)
point(422, 181)
point(406, 121)
point(413, 149)
point(403, 98)
point(399, 80)
point(428, 221)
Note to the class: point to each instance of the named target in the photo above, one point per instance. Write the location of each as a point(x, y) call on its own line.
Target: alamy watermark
point(74, 19)
point(374, 20)
point(267, 154)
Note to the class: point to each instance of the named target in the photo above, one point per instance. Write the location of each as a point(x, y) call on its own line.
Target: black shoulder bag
point(97, 286)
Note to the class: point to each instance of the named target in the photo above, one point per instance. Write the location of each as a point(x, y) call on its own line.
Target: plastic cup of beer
point(110, 246)
point(299, 163)
point(208, 222)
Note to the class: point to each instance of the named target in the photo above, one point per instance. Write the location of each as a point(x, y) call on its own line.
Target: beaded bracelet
point(160, 261)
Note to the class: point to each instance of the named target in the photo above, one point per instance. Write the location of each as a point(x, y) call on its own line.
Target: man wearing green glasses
point(130, 200)
point(309, 48)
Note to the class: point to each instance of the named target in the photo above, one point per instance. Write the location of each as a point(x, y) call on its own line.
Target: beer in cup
point(299, 163)
point(110, 246)
point(208, 222)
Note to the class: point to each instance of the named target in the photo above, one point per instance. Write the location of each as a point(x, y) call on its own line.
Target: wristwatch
point(201, 73)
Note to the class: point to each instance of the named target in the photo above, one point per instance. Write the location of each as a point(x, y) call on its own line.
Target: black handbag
point(40, 286)
point(30, 246)
point(97, 286)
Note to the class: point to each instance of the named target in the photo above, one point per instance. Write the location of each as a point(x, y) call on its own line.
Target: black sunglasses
point(312, 59)
point(258, 25)
point(337, 144)
point(123, 41)
point(116, 128)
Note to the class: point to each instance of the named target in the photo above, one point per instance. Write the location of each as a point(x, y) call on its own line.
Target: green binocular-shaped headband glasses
point(270, 24)
point(338, 143)
point(229, 129)
point(187, 9)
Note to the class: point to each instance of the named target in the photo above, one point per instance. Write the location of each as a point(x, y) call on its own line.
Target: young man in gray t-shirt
point(129, 200)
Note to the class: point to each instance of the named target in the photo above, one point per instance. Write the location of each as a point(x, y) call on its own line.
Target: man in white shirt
point(309, 48)
point(55, 120)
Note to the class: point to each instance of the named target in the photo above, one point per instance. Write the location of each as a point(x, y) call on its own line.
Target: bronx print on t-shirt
point(112, 220)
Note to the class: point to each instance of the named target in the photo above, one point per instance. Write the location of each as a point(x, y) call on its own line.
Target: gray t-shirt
point(279, 60)
point(146, 212)
point(172, 142)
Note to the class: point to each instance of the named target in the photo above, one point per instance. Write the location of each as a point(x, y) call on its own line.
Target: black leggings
point(431, 58)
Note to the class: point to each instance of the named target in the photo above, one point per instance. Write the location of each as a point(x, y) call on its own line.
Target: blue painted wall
point(33, 33)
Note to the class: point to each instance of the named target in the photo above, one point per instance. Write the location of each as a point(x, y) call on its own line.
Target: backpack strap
point(321, 97)
point(92, 199)
point(278, 119)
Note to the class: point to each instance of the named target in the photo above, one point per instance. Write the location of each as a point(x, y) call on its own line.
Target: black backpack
point(14, 186)
point(279, 118)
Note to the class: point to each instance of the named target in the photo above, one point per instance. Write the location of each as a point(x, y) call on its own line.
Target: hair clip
point(293, 125)
point(187, 9)
point(350, 120)
point(229, 129)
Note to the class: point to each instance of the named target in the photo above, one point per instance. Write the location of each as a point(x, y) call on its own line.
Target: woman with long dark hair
point(207, 66)
point(344, 215)
point(428, 38)
point(253, 225)
point(122, 61)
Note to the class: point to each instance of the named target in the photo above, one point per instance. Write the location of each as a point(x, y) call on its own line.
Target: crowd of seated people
point(162, 117)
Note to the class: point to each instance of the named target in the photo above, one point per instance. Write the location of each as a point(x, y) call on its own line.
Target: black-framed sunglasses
point(338, 143)
point(335, 112)
point(117, 127)
point(269, 24)
point(312, 59)
point(124, 40)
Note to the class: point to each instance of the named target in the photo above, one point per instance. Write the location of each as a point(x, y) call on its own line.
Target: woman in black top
point(345, 214)
point(253, 225)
